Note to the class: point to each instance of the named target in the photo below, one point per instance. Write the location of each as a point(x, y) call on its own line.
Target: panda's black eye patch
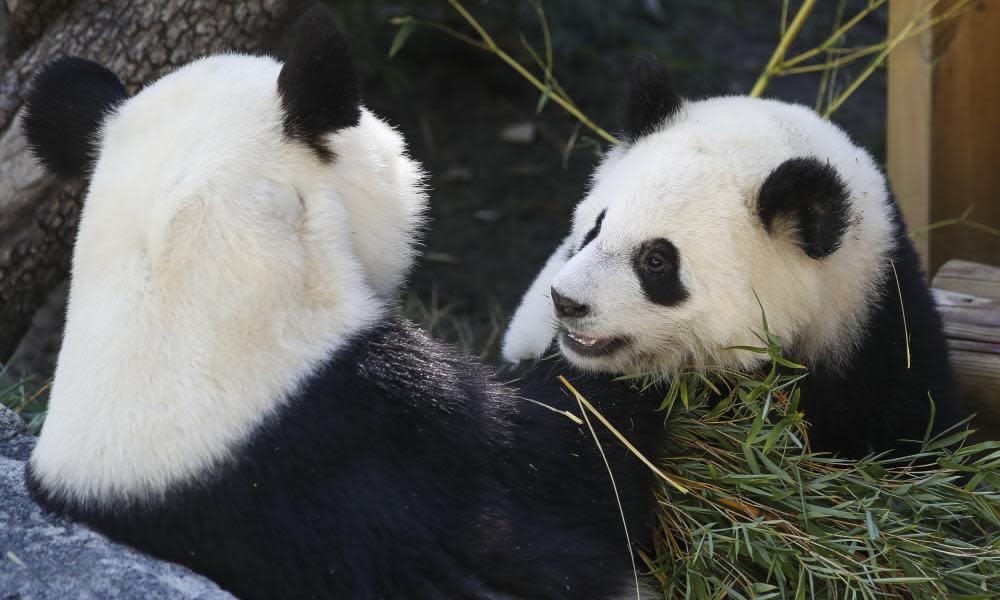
point(594, 231)
point(657, 264)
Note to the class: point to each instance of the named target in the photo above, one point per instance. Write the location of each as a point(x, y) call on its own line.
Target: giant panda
point(235, 392)
point(708, 206)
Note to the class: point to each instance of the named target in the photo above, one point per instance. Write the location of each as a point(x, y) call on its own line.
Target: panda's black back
point(404, 470)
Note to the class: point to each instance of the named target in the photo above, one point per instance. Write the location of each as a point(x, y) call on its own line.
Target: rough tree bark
point(138, 39)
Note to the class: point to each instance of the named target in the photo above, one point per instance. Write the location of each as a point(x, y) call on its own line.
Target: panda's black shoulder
point(400, 359)
point(394, 380)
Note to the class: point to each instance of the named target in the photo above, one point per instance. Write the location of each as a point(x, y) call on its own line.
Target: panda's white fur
point(187, 260)
point(695, 183)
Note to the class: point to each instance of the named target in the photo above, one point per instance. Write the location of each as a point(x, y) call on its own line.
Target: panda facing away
point(709, 205)
point(233, 391)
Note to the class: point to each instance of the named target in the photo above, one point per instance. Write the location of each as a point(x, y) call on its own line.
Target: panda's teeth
point(586, 341)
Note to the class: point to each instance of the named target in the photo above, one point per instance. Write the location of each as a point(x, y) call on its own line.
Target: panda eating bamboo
point(709, 206)
point(234, 392)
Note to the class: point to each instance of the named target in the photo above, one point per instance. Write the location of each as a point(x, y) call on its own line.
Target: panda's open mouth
point(591, 346)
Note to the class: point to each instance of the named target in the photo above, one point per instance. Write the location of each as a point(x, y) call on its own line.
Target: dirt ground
point(498, 208)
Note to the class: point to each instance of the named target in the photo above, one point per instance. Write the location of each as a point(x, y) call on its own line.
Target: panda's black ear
point(318, 86)
point(650, 99)
point(811, 198)
point(63, 112)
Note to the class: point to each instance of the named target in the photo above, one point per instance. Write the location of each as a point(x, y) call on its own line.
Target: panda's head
point(252, 139)
point(244, 220)
point(707, 206)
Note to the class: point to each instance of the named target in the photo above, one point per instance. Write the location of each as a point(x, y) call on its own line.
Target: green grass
point(442, 320)
point(767, 518)
point(25, 398)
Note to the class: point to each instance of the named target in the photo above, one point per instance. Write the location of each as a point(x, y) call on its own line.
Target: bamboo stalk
point(783, 46)
point(492, 47)
point(836, 35)
point(889, 47)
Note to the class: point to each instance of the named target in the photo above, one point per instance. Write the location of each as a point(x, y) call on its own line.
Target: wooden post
point(909, 129)
point(944, 129)
point(966, 135)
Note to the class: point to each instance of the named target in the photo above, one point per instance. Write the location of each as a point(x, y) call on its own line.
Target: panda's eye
point(657, 265)
point(654, 261)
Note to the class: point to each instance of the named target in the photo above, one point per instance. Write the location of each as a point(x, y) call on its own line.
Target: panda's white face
point(724, 201)
point(244, 219)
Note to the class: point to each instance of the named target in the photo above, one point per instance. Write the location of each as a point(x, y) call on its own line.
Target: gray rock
point(44, 556)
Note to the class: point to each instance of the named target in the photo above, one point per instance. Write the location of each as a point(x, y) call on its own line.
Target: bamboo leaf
point(406, 27)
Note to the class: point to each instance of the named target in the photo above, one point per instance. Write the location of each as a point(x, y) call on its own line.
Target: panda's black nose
point(566, 307)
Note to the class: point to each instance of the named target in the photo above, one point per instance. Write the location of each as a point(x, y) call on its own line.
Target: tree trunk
point(138, 39)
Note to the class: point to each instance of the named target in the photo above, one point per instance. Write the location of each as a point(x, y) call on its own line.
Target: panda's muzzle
point(567, 309)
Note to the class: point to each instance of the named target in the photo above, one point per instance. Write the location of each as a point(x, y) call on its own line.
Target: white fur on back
point(695, 183)
point(217, 263)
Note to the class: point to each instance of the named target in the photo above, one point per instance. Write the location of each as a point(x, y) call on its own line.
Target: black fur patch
point(594, 231)
point(813, 195)
point(662, 284)
point(402, 469)
point(650, 100)
point(318, 86)
point(64, 110)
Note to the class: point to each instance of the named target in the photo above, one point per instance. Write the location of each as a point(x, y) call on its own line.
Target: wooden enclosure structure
point(944, 129)
point(943, 158)
point(968, 296)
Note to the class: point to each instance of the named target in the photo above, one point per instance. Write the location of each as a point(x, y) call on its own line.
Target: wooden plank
point(968, 296)
point(974, 346)
point(965, 118)
point(972, 325)
point(969, 317)
point(966, 277)
point(908, 136)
